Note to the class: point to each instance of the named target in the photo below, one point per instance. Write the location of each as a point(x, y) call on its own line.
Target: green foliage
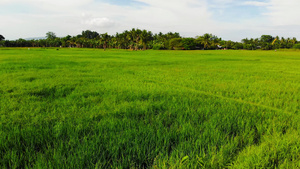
point(209, 41)
point(146, 37)
point(2, 37)
point(188, 43)
point(135, 39)
point(105, 38)
point(165, 38)
point(296, 46)
point(85, 108)
point(266, 39)
point(237, 46)
point(157, 46)
point(176, 43)
point(276, 151)
point(50, 35)
point(266, 42)
point(250, 44)
point(205, 40)
point(66, 41)
point(2, 43)
point(90, 34)
point(229, 45)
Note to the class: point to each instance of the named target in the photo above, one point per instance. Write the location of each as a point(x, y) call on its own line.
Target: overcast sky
point(229, 19)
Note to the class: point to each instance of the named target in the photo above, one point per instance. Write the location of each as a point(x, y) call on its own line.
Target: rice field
point(89, 108)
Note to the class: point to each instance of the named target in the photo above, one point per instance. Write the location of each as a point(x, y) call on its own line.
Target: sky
point(228, 19)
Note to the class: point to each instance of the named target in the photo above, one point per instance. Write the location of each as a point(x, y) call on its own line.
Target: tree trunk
point(137, 42)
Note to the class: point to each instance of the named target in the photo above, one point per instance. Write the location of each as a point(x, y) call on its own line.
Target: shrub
point(158, 46)
point(175, 43)
point(296, 46)
point(188, 43)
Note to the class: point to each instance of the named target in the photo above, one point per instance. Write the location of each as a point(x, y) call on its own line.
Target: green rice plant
point(86, 108)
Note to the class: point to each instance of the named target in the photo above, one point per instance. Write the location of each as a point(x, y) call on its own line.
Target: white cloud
point(176, 15)
point(256, 3)
point(284, 12)
point(189, 17)
point(57, 3)
point(100, 22)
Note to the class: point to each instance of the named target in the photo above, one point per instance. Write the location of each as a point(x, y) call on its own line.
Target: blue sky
point(229, 19)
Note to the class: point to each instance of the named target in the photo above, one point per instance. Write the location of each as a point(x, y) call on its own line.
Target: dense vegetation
point(85, 108)
point(142, 39)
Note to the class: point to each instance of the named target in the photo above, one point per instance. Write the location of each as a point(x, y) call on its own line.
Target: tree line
point(137, 39)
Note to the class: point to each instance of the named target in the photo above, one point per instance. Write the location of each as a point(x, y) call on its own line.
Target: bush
point(237, 46)
point(188, 43)
point(175, 43)
point(158, 46)
point(296, 46)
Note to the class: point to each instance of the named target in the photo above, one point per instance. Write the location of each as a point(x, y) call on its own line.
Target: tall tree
point(123, 40)
point(90, 34)
point(146, 37)
point(215, 41)
point(267, 39)
point(175, 44)
point(266, 42)
point(2, 38)
point(136, 35)
point(65, 41)
point(72, 41)
point(205, 40)
point(104, 38)
point(158, 41)
point(289, 43)
point(130, 38)
point(294, 40)
point(188, 43)
point(50, 35)
point(276, 42)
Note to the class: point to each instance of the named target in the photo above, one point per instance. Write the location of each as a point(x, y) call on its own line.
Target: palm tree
point(130, 38)
point(215, 41)
point(124, 41)
point(104, 38)
point(290, 43)
point(206, 40)
point(72, 42)
point(282, 42)
point(117, 40)
point(135, 35)
point(246, 40)
point(121, 40)
point(294, 41)
point(79, 42)
point(145, 38)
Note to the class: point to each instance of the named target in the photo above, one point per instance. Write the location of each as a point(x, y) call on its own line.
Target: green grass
point(85, 108)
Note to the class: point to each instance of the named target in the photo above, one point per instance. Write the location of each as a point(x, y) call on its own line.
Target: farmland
point(86, 108)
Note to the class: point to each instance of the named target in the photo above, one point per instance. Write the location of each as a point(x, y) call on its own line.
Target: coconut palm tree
point(146, 37)
point(135, 36)
point(104, 38)
point(294, 41)
point(206, 40)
